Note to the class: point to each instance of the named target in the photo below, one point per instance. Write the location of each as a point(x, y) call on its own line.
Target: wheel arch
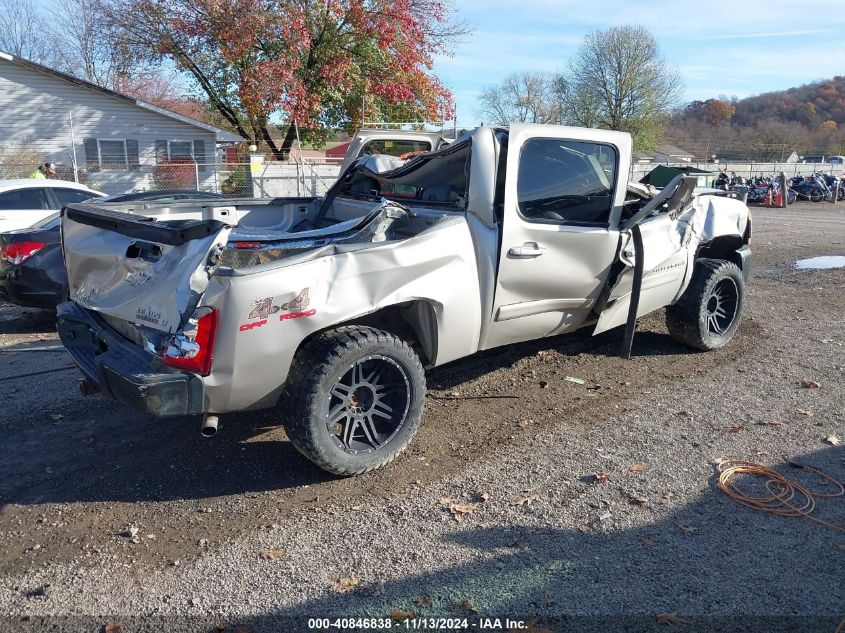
point(723, 247)
point(413, 321)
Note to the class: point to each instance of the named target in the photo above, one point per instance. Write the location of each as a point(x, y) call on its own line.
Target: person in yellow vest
point(47, 170)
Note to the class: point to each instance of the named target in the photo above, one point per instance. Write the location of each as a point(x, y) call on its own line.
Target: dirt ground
point(547, 545)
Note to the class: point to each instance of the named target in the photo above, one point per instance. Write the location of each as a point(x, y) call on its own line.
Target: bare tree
point(90, 49)
point(618, 80)
point(72, 37)
point(523, 97)
point(24, 32)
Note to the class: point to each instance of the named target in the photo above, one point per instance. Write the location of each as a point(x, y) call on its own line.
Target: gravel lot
point(549, 545)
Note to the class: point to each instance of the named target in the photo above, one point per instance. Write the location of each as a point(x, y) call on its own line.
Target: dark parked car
point(32, 270)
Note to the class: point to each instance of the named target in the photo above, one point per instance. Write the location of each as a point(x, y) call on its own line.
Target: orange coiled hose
point(786, 497)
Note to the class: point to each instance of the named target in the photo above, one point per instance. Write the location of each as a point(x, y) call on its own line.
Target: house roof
point(671, 150)
point(221, 135)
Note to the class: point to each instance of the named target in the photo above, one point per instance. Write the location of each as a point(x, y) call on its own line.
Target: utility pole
point(73, 148)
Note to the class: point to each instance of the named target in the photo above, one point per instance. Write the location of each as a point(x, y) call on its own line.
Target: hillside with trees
point(808, 119)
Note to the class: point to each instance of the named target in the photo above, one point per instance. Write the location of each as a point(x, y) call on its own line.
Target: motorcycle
point(722, 181)
point(811, 189)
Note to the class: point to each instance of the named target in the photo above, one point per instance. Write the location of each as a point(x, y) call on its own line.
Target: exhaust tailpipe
point(209, 425)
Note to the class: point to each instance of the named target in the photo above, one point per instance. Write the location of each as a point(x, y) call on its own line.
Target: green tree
point(619, 80)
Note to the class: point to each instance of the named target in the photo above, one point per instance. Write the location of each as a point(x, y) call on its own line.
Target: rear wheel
point(356, 396)
point(708, 313)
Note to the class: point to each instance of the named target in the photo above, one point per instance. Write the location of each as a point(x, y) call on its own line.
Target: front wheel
point(356, 398)
point(708, 313)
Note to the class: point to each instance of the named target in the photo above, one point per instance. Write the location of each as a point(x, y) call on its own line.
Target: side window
point(180, 149)
point(566, 182)
point(24, 199)
point(113, 155)
point(69, 196)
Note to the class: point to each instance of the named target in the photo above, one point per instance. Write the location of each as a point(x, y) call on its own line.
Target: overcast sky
point(733, 48)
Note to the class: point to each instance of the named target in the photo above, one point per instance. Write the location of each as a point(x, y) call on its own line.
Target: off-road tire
point(690, 321)
point(318, 369)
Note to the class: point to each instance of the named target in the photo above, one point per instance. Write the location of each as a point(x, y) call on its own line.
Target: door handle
point(526, 251)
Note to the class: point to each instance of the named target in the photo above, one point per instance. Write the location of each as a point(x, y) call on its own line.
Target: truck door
point(564, 192)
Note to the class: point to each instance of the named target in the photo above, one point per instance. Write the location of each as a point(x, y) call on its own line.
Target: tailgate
point(133, 268)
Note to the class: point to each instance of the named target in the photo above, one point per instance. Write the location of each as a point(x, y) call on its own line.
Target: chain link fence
point(251, 176)
point(241, 180)
point(744, 169)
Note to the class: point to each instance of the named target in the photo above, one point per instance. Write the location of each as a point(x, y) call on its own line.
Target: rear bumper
point(124, 371)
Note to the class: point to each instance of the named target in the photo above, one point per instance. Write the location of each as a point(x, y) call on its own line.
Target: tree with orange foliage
point(309, 62)
point(712, 111)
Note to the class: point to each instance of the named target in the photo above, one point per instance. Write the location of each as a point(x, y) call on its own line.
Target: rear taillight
point(192, 348)
point(18, 252)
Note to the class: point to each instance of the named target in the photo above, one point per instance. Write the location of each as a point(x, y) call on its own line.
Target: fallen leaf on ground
point(671, 618)
point(833, 440)
point(401, 615)
point(734, 429)
point(601, 478)
point(463, 605)
point(649, 542)
point(638, 468)
point(577, 381)
point(113, 627)
point(688, 529)
point(810, 384)
point(809, 414)
point(482, 496)
point(527, 500)
point(425, 601)
point(461, 510)
point(345, 585)
point(273, 554)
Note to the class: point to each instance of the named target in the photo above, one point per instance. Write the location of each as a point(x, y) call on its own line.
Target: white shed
point(97, 136)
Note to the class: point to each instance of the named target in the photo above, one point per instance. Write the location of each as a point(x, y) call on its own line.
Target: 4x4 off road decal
point(294, 309)
point(263, 308)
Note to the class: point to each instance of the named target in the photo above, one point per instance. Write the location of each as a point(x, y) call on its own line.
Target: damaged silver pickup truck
point(329, 309)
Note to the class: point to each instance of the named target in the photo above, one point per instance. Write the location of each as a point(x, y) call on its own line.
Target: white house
point(100, 137)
